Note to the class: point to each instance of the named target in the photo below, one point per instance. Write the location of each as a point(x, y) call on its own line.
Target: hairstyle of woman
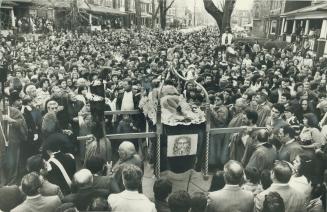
point(273, 202)
point(312, 119)
point(217, 182)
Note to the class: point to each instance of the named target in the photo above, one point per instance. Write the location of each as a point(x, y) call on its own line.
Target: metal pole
point(159, 129)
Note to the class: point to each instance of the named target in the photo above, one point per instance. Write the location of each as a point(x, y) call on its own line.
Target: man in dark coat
point(63, 166)
point(290, 147)
point(264, 155)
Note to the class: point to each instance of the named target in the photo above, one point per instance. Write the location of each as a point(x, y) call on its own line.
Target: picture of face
point(182, 145)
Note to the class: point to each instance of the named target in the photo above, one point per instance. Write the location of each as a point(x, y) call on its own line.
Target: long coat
point(16, 136)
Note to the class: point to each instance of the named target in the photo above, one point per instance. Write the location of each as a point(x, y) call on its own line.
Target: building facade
point(308, 24)
point(267, 20)
point(241, 18)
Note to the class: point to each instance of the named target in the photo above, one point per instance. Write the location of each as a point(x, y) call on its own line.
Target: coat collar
point(232, 187)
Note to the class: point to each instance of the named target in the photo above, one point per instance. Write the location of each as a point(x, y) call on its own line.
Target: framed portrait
point(182, 145)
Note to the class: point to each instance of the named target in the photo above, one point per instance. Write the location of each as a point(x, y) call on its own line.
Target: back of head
point(252, 174)
point(83, 178)
point(273, 202)
point(126, 150)
point(35, 163)
point(162, 188)
point(288, 130)
point(252, 116)
point(233, 172)
point(95, 164)
point(280, 107)
point(31, 184)
point(132, 177)
point(99, 204)
point(198, 202)
point(218, 181)
point(67, 207)
point(282, 172)
point(179, 201)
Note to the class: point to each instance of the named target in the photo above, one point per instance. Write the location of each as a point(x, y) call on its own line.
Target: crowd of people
point(55, 156)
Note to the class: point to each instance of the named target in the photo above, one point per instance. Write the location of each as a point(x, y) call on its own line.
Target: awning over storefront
point(312, 12)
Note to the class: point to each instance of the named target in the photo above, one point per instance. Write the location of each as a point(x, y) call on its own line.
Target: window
point(273, 27)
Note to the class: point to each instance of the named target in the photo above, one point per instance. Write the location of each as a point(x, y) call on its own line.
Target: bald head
point(262, 136)
point(126, 150)
point(233, 172)
point(83, 178)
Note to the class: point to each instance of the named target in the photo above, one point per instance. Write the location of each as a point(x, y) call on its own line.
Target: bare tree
point(221, 13)
point(138, 14)
point(154, 13)
point(163, 8)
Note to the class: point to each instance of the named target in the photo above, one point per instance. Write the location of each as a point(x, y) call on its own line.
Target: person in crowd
point(130, 199)
point(63, 166)
point(280, 175)
point(179, 201)
point(10, 197)
point(102, 174)
point(84, 192)
point(265, 179)
point(276, 121)
point(198, 202)
point(231, 197)
point(252, 182)
point(316, 199)
point(162, 188)
point(99, 204)
point(217, 182)
point(38, 165)
point(263, 109)
point(240, 141)
point(34, 200)
point(264, 153)
point(273, 202)
point(290, 147)
point(311, 136)
point(15, 129)
point(128, 155)
point(303, 178)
